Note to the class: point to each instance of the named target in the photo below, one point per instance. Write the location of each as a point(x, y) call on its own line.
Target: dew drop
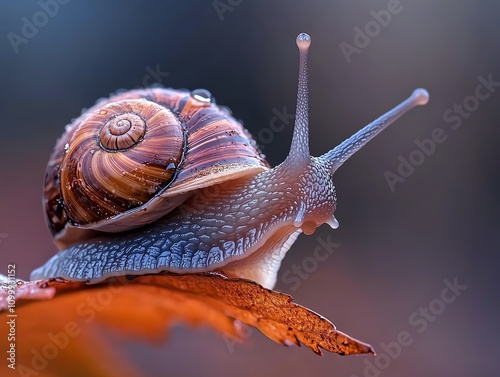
point(202, 95)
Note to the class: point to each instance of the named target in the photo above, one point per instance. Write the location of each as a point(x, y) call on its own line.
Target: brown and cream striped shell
point(134, 157)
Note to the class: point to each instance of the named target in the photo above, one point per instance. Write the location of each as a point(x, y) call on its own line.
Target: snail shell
point(137, 155)
point(238, 216)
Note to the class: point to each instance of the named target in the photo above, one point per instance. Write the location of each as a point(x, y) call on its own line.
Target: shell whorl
point(122, 132)
point(120, 157)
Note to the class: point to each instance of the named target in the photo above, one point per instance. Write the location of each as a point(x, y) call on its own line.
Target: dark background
point(396, 249)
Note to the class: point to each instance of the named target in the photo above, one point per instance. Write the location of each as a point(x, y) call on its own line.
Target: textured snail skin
point(242, 225)
point(250, 218)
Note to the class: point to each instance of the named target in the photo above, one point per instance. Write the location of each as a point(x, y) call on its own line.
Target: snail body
point(163, 180)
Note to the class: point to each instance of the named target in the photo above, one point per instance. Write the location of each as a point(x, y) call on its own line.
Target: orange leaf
point(63, 323)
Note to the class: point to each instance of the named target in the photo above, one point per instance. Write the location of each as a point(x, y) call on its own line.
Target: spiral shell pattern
point(136, 156)
point(119, 158)
point(122, 132)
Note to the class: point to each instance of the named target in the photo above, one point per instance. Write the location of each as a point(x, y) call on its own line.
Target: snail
point(158, 179)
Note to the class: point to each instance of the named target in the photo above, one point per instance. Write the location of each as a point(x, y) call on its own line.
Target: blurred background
point(401, 244)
